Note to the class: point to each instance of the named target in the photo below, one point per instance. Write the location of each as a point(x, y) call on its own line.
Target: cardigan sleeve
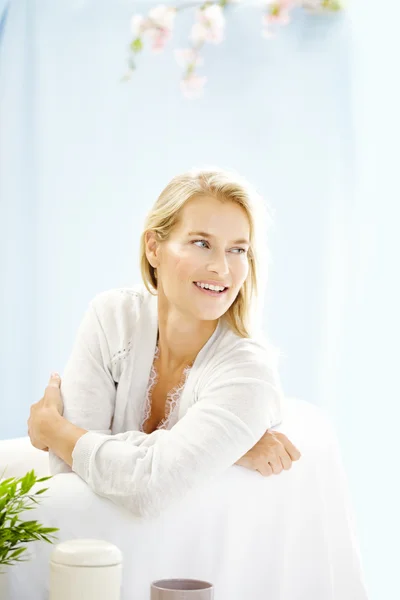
point(146, 473)
point(87, 387)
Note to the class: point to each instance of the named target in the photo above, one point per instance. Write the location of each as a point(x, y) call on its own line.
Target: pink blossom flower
point(188, 56)
point(212, 16)
point(157, 26)
point(163, 16)
point(281, 18)
point(138, 25)
point(278, 13)
point(198, 33)
point(159, 38)
point(192, 85)
point(210, 25)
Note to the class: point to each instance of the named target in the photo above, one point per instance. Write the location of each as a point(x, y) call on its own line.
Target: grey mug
point(181, 589)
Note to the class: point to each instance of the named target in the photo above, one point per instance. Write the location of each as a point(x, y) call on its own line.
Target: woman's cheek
point(184, 262)
point(243, 270)
point(177, 256)
point(189, 258)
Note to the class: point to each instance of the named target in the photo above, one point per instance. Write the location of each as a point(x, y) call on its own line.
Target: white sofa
point(286, 537)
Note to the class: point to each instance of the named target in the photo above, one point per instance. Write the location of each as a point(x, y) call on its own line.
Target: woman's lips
point(210, 292)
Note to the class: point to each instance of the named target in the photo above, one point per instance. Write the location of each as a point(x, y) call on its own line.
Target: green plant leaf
point(43, 479)
point(17, 553)
point(12, 489)
point(48, 529)
point(13, 521)
point(41, 491)
point(27, 482)
point(5, 482)
point(27, 524)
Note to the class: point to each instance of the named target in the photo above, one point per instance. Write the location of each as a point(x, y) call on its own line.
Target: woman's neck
point(179, 349)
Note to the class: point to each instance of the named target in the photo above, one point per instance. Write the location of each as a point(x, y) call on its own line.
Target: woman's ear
point(152, 248)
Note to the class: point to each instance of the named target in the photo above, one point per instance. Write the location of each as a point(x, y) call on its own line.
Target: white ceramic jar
point(3, 585)
point(85, 569)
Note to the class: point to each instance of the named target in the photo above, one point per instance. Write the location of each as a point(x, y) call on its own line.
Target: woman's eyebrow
point(210, 235)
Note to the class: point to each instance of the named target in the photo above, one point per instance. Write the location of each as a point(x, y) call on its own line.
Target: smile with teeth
point(214, 290)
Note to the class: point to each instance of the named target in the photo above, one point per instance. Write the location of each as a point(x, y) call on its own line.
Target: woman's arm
point(147, 472)
point(87, 386)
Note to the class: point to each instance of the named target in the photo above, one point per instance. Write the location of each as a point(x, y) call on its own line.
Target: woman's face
point(190, 257)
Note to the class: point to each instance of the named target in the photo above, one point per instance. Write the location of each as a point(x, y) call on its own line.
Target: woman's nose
point(219, 264)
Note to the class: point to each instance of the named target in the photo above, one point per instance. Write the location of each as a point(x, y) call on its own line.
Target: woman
point(168, 385)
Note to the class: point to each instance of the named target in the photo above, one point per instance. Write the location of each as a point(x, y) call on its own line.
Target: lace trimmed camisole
point(172, 400)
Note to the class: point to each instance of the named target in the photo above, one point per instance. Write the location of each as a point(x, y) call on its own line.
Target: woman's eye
point(241, 250)
point(201, 241)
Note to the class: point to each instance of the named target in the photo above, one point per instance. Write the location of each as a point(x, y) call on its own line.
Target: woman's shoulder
point(119, 297)
point(120, 302)
point(118, 311)
point(233, 356)
point(257, 349)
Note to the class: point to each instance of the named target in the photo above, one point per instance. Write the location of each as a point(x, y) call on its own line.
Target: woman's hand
point(272, 453)
point(45, 411)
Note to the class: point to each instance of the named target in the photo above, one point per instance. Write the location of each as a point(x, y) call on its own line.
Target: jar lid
point(86, 553)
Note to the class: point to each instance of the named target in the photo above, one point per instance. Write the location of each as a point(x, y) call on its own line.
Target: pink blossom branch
point(209, 27)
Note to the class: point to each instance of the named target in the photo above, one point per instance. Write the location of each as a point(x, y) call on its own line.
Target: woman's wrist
point(61, 437)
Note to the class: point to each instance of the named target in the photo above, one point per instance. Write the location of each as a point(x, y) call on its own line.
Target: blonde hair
point(226, 186)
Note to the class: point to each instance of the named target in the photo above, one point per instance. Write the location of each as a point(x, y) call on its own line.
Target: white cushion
point(18, 456)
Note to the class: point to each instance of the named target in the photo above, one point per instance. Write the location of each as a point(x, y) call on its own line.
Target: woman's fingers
point(286, 462)
point(275, 464)
point(264, 468)
point(272, 464)
point(52, 394)
point(272, 454)
point(54, 381)
point(290, 448)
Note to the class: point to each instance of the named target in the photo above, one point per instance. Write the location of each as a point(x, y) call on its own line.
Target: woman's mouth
point(210, 292)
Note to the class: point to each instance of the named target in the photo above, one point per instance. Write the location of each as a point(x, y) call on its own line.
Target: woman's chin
point(208, 315)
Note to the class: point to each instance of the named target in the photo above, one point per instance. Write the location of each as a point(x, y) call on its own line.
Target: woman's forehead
point(207, 214)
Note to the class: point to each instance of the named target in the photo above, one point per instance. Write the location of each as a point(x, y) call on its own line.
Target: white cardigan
point(231, 397)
